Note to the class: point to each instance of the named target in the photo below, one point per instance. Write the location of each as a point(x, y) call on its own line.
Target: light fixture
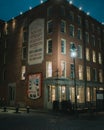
point(88, 13)
point(30, 8)
point(70, 2)
point(80, 8)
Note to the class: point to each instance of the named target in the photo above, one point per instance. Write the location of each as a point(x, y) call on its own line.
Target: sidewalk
point(87, 115)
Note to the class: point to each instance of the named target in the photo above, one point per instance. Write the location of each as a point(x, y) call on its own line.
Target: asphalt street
point(49, 121)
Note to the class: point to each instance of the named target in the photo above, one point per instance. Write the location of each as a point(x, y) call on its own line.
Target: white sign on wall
point(34, 86)
point(36, 42)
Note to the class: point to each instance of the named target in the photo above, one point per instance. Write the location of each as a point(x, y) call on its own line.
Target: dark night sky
point(12, 8)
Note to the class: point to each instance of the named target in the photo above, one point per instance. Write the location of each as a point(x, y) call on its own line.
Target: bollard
point(5, 109)
point(17, 108)
point(28, 109)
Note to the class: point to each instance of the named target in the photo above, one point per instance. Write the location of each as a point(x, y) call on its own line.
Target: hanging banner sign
point(34, 86)
point(36, 42)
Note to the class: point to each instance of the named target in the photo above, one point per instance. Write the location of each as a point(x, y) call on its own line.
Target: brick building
point(35, 65)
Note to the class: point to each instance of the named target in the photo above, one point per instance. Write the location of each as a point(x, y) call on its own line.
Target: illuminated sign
point(36, 42)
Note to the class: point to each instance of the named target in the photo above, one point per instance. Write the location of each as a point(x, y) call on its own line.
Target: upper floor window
point(80, 71)
point(50, 26)
point(63, 26)
point(25, 36)
point(24, 51)
point(98, 30)
point(92, 27)
point(88, 73)
point(99, 58)
point(80, 51)
point(93, 56)
point(71, 16)
point(94, 72)
point(71, 30)
point(63, 46)
point(87, 54)
point(49, 46)
point(86, 24)
point(87, 37)
point(62, 11)
point(63, 68)
point(48, 69)
point(93, 40)
point(49, 11)
point(99, 43)
point(79, 20)
point(79, 34)
point(100, 75)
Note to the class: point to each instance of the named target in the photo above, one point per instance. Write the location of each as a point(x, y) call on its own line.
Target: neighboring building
point(35, 63)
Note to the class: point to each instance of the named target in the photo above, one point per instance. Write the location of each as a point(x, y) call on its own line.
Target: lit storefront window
point(94, 94)
point(51, 93)
point(62, 93)
point(88, 94)
point(80, 94)
point(72, 94)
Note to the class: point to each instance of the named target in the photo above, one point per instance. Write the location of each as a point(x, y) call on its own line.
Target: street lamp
point(73, 53)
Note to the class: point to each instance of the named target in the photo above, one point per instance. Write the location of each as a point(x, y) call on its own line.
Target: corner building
point(36, 67)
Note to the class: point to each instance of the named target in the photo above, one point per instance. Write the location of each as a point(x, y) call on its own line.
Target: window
point(86, 37)
point(71, 30)
point(98, 29)
point(71, 16)
point(72, 94)
point(5, 56)
point(88, 74)
point(94, 72)
point(23, 72)
point(51, 93)
point(50, 26)
point(48, 69)
point(49, 12)
point(93, 40)
point(63, 46)
point(80, 51)
point(63, 68)
point(80, 94)
point(100, 58)
point(49, 46)
point(25, 35)
point(62, 93)
point(93, 28)
point(100, 76)
point(79, 20)
point(62, 11)
point(99, 43)
point(79, 34)
point(87, 54)
point(93, 56)
point(80, 71)
point(86, 24)
point(24, 51)
point(63, 26)
point(88, 94)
